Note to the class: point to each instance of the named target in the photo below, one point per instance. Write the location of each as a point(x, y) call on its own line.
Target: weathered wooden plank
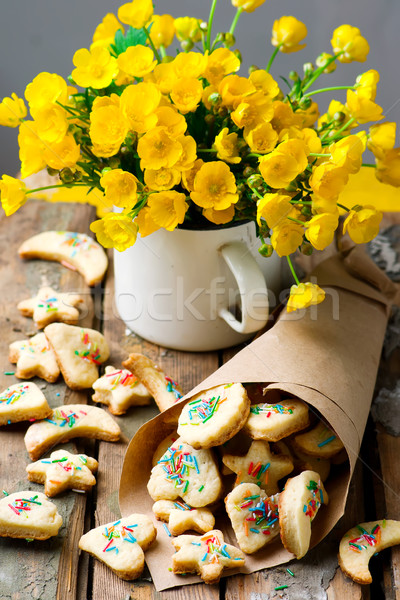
point(186, 368)
point(28, 570)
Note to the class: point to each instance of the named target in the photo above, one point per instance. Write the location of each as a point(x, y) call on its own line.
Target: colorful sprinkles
point(49, 304)
point(176, 464)
point(122, 533)
point(12, 396)
point(310, 509)
point(202, 410)
point(122, 378)
point(270, 409)
point(263, 516)
point(78, 242)
point(91, 353)
point(21, 506)
point(172, 386)
point(64, 416)
point(215, 551)
point(366, 539)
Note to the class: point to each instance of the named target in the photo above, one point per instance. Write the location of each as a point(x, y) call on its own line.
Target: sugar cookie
point(363, 541)
point(67, 422)
point(29, 515)
point(187, 473)
point(181, 517)
point(320, 441)
point(164, 390)
point(49, 306)
point(299, 503)
point(272, 422)
point(121, 545)
point(163, 447)
point(34, 357)
point(213, 417)
point(79, 353)
point(76, 251)
point(252, 513)
point(120, 389)
point(207, 555)
point(260, 466)
point(23, 402)
point(63, 471)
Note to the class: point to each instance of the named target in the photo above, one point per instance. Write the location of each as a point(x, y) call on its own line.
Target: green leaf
point(133, 37)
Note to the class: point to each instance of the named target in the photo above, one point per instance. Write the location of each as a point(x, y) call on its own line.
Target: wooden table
point(56, 568)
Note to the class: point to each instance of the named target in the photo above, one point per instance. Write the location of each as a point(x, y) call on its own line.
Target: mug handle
point(249, 279)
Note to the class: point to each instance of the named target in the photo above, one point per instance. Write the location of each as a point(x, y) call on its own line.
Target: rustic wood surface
point(56, 569)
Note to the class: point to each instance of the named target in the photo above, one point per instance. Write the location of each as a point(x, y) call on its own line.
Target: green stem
point(206, 150)
point(318, 154)
point(256, 192)
point(254, 155)
point(293, 271)
point(329, 89)
point(319, 71)
point(339, 131)
point(273, 55)
point(156, 54)
point(51, 187)
point(210, 22)
point(163, 51)
point(368, 165)
point(296, 202)
point(235, 20)
point(296, 221)
point(342, 206)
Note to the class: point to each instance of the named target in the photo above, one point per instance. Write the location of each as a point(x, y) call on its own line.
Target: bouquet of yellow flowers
point(181, 138)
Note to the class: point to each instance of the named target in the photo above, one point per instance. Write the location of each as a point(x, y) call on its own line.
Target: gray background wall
point(42, 35)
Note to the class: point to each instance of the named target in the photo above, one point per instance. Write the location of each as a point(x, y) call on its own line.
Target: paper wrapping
point(326, 355)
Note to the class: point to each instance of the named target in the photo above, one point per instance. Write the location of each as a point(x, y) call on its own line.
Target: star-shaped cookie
point(260, 466)
point(63, 471)
point(34, 357)
point(49, 306)
point(181, 517)
point(28, 514)
point(120, 389)
point(23, 402)
point(207, 555)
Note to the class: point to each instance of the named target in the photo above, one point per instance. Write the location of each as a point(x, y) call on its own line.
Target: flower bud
point(187, 45)
point(237, 53)
point(248, 171)
point(306, 211)
point(305, 103)
point(253, 68)
point(114, 162)
point(66, 175)
point(308, 68)
point(306, 249)
point(339, 117)
point(78, 176)
point(214, 98)
point(254, 180)
point(167, 59)
point(52, 172)
point(203, 26)
point(293, 76)
point(209, 119)
point(266, 250)
point(222, 112)
point(292, 187)
point(229, 40)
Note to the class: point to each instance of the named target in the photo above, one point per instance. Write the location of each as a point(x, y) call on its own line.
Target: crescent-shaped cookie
point(77, 251)
point(29, 515)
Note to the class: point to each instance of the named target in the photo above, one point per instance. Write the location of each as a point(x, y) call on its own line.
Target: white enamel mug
point(196, 290)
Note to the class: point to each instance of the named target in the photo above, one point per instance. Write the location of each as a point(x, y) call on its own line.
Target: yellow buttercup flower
point(304, 295)
point(120, 188)
point(163, 179)
point(362, 109)
point(252, 111)
point(188, 154)
point(352, 45)
point(335, 110)
point(167, 209)
point(362, 224)
point(265, 83)
point(145, 223)
point(247, 5)
point(321, 229)
point(163, 76)
point(162, 30)
point(168, 116)
point(115, 230)
point(382, 137)
point(366, 84)
point(95, 68)
point(274, 208)
point(307, 116)
point(65, 153)
point(190, 64)
point(45, 89)
point(186, 94)
point(262, 138)
point(233, 89)
point(296, 148)
point(286, 238)
point(284, 163)
point(323, 205)
point(220, 217)
point(138, 104)
point(226, 145)
point(137, 61)
point(12, 111)
point(12, 194)
point(51, 123)
point(214, 186)
point(284, 116)
point(188, 176)
point(287, 33)
point(136, 13)
point(328, 180)
point(108, 129)
point(104, 34)
point(347, 153)
point(188, 28)
point(323, 59)
point(158, 149)
point(31, 149)
point(388, 168)
point(311, 139)
point(221, 62)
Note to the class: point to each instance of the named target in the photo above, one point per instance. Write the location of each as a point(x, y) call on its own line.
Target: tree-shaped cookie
point(207, 555)
point(181, 517)
point(260, 466)
point(28, 514)
point(121, 545)
point(120, 389)
point(49, 306)
point(23, 402)
point(34, 357)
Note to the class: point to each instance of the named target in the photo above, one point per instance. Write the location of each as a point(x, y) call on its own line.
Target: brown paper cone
point(326, 355)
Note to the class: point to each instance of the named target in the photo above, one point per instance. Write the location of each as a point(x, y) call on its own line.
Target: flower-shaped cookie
point(49, 306)
point(34, 357)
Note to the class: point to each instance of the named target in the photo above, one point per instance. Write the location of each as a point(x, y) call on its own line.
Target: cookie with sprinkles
point(79, 353)
point(28, 514)
point(121, 545)
point(76, 251)
point(299, 503)
point(63, 471)
point(272, 422)
point(181, 517)
point(163, 447)
point(361, 542)
point(120, 389)
point(254, 516)
point(184, 472)
point(260, 466)
point(320, 441)
point(207, 555)
point(165, 391)
point(23, 402)
point(67, 422)
point(213, 417)
point(34, 358)
point(49, 306)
